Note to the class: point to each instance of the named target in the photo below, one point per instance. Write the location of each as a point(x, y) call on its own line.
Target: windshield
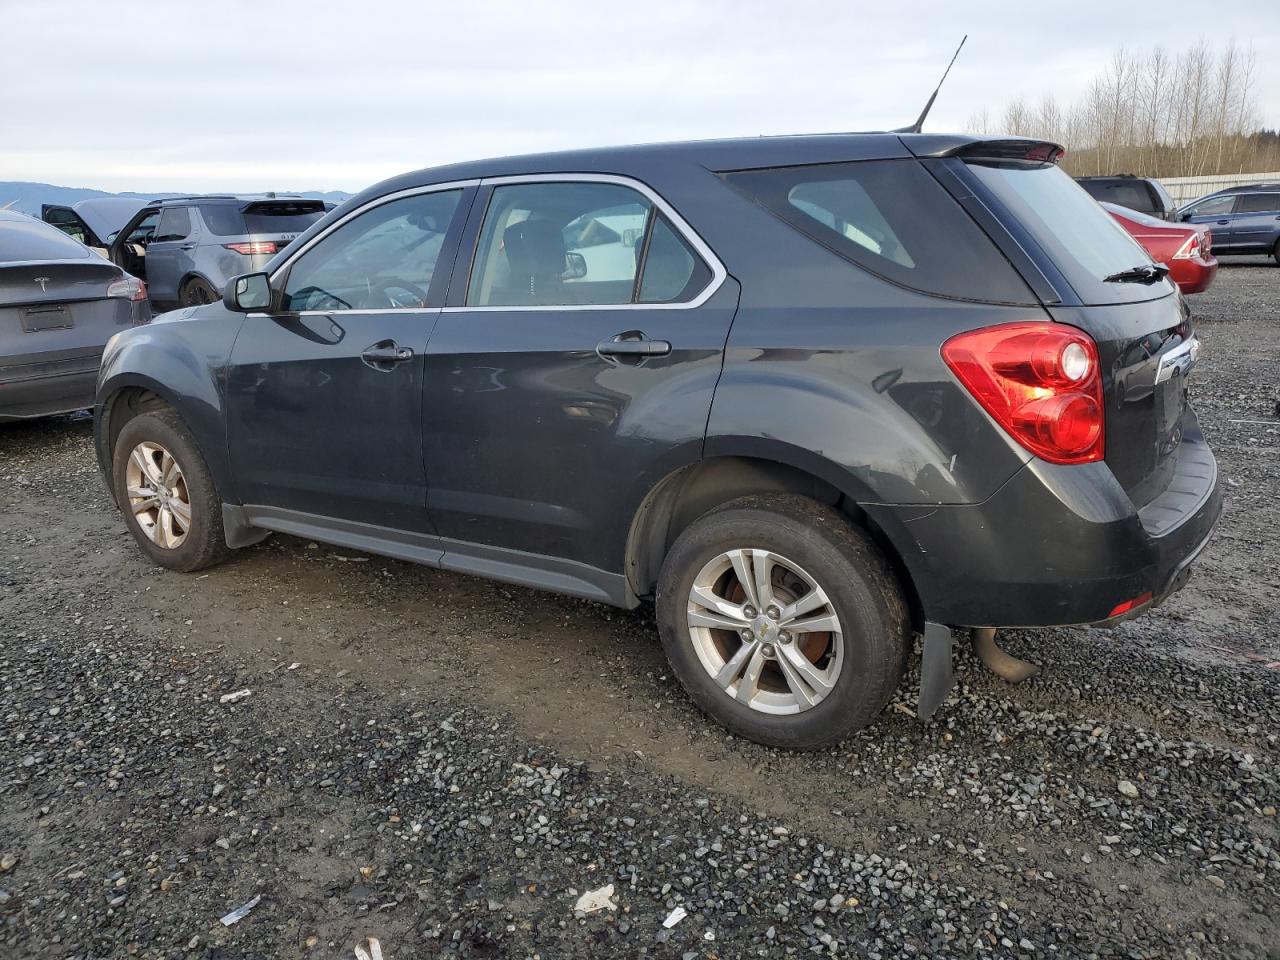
point(1081, 238)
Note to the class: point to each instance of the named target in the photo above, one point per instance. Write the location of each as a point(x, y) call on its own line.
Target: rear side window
point(1258, 203)
point(175, 224)
point(24, 239)
point(892, 218)
point(566, 243)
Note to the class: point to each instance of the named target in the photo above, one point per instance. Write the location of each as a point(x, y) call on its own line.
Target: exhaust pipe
point(1002, 664)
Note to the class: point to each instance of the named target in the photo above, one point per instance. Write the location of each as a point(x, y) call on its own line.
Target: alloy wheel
point(158, 496)
point(765, 631)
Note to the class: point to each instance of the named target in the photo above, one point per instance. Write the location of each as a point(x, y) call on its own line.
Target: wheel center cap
point(765, 629)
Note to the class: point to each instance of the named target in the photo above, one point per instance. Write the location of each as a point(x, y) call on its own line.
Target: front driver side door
point(1215, 213)
point(324, 394)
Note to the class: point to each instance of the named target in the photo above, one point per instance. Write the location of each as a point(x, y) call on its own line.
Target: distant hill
point(28, 197)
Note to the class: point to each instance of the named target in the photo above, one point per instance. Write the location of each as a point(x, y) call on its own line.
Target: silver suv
point(187, 248)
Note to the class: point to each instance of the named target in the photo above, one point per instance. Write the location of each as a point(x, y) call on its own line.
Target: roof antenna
point(919, 124)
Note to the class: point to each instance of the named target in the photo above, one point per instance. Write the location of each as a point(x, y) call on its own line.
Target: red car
point(1185, 248)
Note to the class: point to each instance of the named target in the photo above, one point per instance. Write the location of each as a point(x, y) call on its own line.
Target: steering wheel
point(384, 288)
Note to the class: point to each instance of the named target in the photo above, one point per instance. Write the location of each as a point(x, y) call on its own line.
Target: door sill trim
point(542, 572)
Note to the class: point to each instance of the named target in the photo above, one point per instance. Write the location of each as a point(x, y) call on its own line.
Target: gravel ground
point(447, 764)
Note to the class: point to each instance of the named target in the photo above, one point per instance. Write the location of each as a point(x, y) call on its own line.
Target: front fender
point(179, 358)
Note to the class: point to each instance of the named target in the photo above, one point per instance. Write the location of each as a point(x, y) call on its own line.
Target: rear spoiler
point(970, 148)
point(285, 206)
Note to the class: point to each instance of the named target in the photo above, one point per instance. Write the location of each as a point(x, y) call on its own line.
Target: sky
point(318, 95)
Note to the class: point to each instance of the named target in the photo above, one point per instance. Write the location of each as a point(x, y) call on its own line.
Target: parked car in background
point(1245, 220)
point(59, 305)
point(187, 248)
point(807, 393)
point(1185, 248)
point(1144, 194)
point(94, 222)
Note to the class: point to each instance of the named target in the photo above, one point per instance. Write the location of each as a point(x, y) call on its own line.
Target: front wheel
point(783, 621)
point(165, 491)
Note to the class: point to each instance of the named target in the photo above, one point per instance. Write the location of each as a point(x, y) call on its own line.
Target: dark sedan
point(59, 305)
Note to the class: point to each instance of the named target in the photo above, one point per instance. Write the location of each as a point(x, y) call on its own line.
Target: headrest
point(535, 248)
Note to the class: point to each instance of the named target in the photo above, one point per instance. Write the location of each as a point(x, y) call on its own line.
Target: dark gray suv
point(187, 248)
point(808, 394)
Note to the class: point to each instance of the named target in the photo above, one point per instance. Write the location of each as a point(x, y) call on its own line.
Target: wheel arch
point(686, 494)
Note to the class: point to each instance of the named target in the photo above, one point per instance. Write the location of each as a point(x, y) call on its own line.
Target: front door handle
point(633, 343)
point(386, 353)
point(1224, 222)
point(186, 246)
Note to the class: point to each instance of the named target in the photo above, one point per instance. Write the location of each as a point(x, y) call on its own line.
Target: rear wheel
point(782, 621)
point(165, 491)
point(1275, 253)
point(196, 292)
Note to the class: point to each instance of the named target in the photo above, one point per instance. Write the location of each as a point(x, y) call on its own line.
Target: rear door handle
point(386, 352)
point(633, 343)
point(1224, 221)
point(186, 246)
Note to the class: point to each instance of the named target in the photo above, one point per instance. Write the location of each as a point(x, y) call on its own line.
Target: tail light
point(253, 246)
point(1040, 381)
point(1191, 249)
point(130, 288)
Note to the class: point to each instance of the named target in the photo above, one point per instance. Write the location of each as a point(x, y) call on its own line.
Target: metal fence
point(1185, 189)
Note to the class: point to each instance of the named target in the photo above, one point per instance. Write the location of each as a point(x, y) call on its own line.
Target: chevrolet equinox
point(812, 395)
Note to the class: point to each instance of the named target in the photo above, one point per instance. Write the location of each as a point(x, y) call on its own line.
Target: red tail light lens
point(252, 247)
point(1040, 381)
point(1189, 249)
point(1128, 605)
point(131, 288)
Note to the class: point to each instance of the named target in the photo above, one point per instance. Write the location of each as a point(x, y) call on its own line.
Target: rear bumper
point(1057, 545)
point(1193, 276)
point(44, 388)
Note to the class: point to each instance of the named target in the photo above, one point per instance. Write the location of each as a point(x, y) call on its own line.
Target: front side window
point(1259, 203)
point(144, 229)
point(382, 259)
point(892, 218)
point(175, 224)
point(1217, 207)
point(580, 244)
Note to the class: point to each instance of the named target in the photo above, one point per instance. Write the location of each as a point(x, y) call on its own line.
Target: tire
point(196, 292)
point(201, 542)
point(813, 541)
point(1275, 253)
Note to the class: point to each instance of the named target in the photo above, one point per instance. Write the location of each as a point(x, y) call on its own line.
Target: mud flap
point(936, 678)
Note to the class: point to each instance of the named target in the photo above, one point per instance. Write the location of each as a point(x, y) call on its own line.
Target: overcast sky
point(232, 95)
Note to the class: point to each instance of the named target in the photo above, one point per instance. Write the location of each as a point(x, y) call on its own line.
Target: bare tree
point(1155, 114)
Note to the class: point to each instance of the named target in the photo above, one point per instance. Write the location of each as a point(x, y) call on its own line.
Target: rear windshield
point(1081, 238)
point(25, 239)
point(892, 218)
point(229, 220)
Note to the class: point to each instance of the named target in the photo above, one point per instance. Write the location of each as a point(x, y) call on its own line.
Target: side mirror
point(248, 293)
point(575, 266)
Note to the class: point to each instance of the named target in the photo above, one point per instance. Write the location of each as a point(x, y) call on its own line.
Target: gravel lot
point(447, 764)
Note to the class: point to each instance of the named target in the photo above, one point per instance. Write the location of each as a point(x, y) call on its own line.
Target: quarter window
point(579, 244)
point(175, 224)
point(382, 259)
point(892, 218)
